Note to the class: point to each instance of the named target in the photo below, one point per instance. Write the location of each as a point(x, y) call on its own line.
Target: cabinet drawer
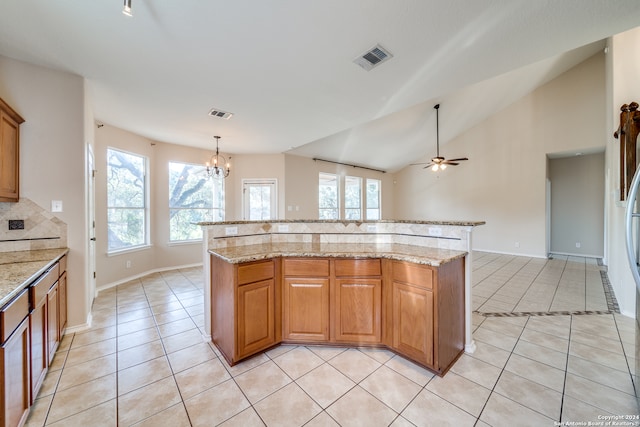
point(358, 267)
point(40, 287)
point(413, 274)
point(301, 267)
point(12, 314)
point(255, 272)
point(63, 264)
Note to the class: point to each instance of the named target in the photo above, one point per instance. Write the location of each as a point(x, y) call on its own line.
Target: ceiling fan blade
point(418, 164)
point(457, 160)
point(448, 162)
point(429, 165)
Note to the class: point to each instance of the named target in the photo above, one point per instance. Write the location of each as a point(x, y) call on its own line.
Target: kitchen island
point(401, 285)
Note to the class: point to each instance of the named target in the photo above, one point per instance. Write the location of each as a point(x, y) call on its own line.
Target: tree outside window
point(373, 198)
point(328, 196)
point(127, 214)
point(353, 197)
point(193, 198)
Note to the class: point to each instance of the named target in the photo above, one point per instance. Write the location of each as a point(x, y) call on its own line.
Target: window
point(260, 199)
point(373, 198)
point(127, 216)
point(328, 196)
point(193, 198)
point(352, 197)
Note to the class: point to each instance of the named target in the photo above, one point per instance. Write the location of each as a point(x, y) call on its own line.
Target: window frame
point(335, 208)
point(214, 201)
point(145, 207)
point(347, 208)
point(366, 199)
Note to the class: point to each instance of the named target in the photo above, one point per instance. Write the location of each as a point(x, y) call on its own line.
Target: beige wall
point(111, 269)
point(577, 205)
point(623, 86)
point(52, 157)
point(504, 181)
point(302, 186)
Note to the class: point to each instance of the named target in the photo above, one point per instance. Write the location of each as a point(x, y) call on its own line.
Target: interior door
point(260, 199)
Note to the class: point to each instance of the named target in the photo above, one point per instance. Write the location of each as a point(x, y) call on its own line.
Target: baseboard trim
point(81, 328)
point(491, 251)
point(146, 273)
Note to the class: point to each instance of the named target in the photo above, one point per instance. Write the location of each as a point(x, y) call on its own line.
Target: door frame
point(260, 181)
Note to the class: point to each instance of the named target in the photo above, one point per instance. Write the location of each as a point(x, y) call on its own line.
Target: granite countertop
point(410, 253)
point(18, 269)
point(339, 221)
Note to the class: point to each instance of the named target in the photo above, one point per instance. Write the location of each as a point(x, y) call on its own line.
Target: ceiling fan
point(439, 162)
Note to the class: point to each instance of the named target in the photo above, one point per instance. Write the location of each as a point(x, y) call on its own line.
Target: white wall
point(52, 157)
point(503, 183)
point(623, 77)
point(577, 205)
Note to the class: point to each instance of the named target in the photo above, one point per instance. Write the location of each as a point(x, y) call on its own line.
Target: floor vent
point(373, 57)
point(215, 112)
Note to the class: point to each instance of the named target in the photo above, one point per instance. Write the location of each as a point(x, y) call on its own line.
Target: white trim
point(82, 327)
point(576, 255)
point(137, 276)
point(129, 250)
point(491, 251)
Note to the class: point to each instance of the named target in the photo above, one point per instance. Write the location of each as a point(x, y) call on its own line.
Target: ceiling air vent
point(215, 112)
point(373, 57)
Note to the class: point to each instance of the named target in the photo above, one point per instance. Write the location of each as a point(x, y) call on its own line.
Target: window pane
point(259, 202)
point(125, 179)
point(193, 197)
point(352, 197)
point(126, 200)
point(373, 198)
point(328, 196)
point(126, 228)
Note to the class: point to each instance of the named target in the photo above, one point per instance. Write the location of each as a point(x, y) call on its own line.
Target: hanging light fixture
point(218, 165)
point(127, 8)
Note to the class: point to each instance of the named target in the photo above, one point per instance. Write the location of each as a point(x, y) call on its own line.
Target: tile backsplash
point(42, 230)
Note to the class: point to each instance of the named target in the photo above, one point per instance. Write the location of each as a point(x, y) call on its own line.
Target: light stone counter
point(415, 254)
point(18, 269)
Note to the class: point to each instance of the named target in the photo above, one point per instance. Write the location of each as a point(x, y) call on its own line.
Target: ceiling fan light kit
point(440, 163)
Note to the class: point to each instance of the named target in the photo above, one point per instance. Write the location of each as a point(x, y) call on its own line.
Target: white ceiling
point(284, 67)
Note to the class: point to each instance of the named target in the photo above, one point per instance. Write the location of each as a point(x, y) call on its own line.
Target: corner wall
point(52, 157)
point(504, 182)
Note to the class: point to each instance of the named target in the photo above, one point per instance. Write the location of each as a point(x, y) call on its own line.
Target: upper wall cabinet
point(9, 153)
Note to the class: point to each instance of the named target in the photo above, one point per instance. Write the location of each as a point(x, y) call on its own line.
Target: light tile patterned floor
point(144, 363)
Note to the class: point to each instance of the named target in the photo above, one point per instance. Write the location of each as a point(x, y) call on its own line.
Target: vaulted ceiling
point(285, 67)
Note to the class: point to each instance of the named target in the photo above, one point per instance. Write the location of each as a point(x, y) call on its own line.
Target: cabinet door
point(62, 305)
point(306, 309)
point(52, 321)
point(413, 322)
point(9, 158)
point(256, 323)
point(358, 305)
point(14, 360)
point(38, 346)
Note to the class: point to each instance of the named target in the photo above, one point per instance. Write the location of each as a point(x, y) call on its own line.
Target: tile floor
point(144, 363)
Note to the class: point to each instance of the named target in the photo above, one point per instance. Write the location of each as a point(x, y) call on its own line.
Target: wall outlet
point(128, 264)
point(56, 206)
point(372, 228)
point(435, 231)
point(283, 228)
point(230, 231)
point(517, 244)
point(16, 224)
point(578, 244)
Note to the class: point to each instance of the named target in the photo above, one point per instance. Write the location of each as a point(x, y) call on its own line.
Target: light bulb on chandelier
point(218, 159)
point(127, 8)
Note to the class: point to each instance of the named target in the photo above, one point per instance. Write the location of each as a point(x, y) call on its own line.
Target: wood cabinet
point(428, 312)
point(357, 301)
point(53, 338)
point(305, 304)
point(415, 310)
point(9, 153)
point(14, 361)
point(62, 303)
point(243, 307)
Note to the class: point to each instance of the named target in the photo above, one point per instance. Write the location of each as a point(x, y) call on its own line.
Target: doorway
point(259, 199)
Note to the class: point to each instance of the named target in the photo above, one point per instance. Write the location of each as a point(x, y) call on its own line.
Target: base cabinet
point(15, 362)
point(53, 327)
point(256, 329)
point(415, 310)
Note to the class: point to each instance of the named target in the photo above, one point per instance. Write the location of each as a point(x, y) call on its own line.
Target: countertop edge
point(310, 254)
point(19, 288)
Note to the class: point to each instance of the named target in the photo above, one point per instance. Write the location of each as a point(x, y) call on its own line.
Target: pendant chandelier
point(218, 166)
